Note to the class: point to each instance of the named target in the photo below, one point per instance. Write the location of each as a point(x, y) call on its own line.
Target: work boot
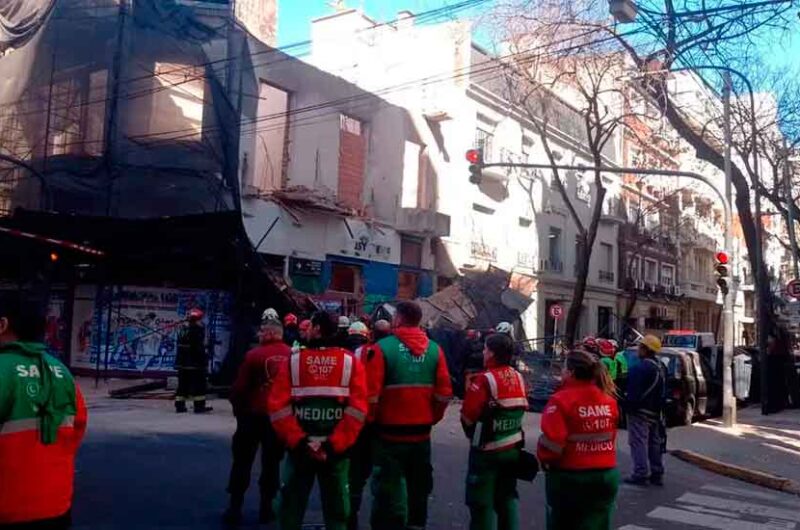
point(657, 480)
point(636, 481)
point(233, 515)
point(180, 406)
point(266, 514)
point(200, 407)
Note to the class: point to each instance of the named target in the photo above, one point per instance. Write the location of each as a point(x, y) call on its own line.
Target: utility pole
point(728, 402)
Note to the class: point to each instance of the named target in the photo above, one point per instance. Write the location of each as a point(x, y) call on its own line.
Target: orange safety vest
point(500, 425)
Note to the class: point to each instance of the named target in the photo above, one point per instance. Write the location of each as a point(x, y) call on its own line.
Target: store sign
point(367, 244)
point(305, 267)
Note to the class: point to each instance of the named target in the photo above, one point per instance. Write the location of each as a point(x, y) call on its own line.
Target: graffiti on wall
point(135, 328)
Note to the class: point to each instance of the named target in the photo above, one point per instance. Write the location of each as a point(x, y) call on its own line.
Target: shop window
point(345, 278)
point(407, 285)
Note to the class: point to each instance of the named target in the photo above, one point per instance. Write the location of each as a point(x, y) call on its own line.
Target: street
point(141, 466)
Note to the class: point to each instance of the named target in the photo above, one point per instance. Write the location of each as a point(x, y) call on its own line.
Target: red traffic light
point(474, 156)
point(722, 258)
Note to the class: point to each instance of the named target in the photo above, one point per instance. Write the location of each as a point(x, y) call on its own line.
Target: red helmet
point(606, 347)
point(590, 343)
point(195, 314)
point(290, 319)
point(473, 334)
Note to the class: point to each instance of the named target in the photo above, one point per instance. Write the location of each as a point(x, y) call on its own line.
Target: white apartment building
point(515, 220)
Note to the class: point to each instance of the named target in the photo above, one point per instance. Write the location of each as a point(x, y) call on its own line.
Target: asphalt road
point(142, 467)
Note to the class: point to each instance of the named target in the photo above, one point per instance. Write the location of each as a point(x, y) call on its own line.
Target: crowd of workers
point(343, 404)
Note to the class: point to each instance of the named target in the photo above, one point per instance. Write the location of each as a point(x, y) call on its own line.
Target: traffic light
point(722, 270)
point(475, 159)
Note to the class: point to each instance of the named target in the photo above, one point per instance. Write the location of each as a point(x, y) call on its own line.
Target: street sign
point(793, 288)
point(556, 311)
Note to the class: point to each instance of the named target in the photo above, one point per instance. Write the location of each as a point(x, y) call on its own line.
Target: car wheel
point(688, 413)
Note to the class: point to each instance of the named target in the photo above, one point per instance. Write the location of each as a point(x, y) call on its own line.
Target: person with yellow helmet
point(644, 406)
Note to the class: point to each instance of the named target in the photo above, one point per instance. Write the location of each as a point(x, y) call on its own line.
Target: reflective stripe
point(357, 353)
point(354, 412)
point(441, 398)
point(476, 436)
point(347, 370)
point(510, 403)
point(550, 445)
point(492, 384)
point(317, 438)
point(198, 398)
point(503, 443)
point(320, 391)
point(30, 424)
point(295, 369)
point(591, 437)
point(421, 385)
point(285, 412)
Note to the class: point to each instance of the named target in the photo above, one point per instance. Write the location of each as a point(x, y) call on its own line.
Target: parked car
point(687, 397)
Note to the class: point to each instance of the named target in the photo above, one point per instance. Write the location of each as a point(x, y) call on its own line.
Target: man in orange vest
point(409, 389)
point(318, 405)
point(494, 406)
point(42, 423)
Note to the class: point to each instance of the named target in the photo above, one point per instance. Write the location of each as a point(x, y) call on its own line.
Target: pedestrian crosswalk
point(724, 508)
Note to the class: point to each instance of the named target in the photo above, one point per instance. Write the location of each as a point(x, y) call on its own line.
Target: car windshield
point(681, 341)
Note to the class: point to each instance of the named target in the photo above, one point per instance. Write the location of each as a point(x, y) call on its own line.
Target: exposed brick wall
point(352, 155)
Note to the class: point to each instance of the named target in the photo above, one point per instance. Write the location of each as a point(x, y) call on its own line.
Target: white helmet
point(269, 314)
point(505, 328)
point(344, 322)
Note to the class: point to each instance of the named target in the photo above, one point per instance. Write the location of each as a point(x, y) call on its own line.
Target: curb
point(744, 474)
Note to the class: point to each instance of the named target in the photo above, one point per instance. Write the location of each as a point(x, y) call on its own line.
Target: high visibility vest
point(501, 425)
point(320, 388)
point(409, 383)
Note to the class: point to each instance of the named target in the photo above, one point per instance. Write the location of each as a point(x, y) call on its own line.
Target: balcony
point(423, 222)
point(606, 277)
point(550, 266)
point(700, 289)
point(613, 211)
point(483, 251)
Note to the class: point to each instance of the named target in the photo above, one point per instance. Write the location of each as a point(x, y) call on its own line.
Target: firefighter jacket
point(493, 409)
point(579, 428)
point(409, 385)
point(191, 351)
point(42, 422)
point(320, 394)
point(250, 390)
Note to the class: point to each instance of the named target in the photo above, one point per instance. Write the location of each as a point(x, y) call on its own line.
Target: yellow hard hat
point(651, 342)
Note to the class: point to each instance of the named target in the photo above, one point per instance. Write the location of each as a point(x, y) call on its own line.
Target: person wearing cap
point(357, 338)
point(42, 422)
point(269, 314)
point(644, 404)
point(343, 332)
point(291, 331)
point(607, 352)
point(191, 361)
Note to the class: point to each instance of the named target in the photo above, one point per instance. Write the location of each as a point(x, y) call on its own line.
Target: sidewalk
point(766, 444)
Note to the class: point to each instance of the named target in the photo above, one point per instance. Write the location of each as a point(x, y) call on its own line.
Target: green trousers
point(492, 490)
point(402, 480)
point(360, 470)
point(299, 474)
point(581, 500)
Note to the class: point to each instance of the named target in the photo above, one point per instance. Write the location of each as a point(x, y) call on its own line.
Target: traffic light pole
point(728, 401)
point(729, 405)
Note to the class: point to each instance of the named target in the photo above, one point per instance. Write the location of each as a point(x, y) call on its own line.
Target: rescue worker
point(506, 328)
point(318, 406)
point(473, 355)
point(42, 422)
point(357, 336)
point(409, 389)
point(191, 362)
point(343, 332)
point(589, 345)
point(607, 352)
point(291, 332)
point(577, 448)
point(492, 413)
point(304, 329)
point(621, 381)
point(644, 405)
point(249, 397)
point(381, 330)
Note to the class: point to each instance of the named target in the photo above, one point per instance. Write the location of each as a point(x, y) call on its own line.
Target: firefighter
point(42, 423)
point(249, 397)
point(409, 389)
point(577, 447)
point(492, 413)
point(191, 362)
point(317, 406)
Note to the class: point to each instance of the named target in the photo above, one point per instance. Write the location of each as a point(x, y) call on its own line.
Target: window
point(411, 173)
point(269, 171)
point(554, 237)
point(583, 191)
point(352, 159)
point(524, 222)
point(407, 285)
point(411, 253)
point(650, 271)
point(77, 122)
point(607, 257)
point(176, 106)
point(345, 278)
point(633, 211)
point(483, 140)
point(651, 221)
point(667, 275)
point(634, 267)
point(482, 209)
